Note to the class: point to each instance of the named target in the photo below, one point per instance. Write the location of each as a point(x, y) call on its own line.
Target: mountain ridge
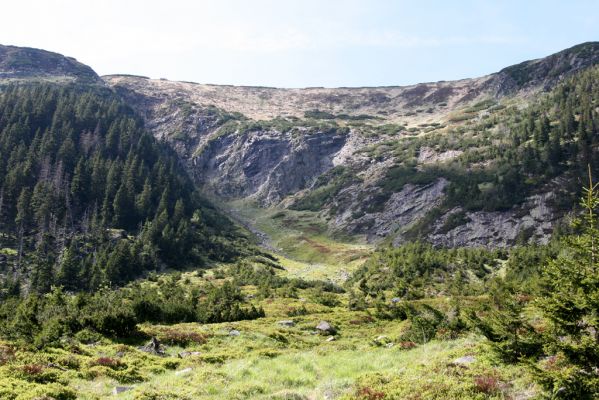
point(258, 144)
point(361, 158)
point(22, 63)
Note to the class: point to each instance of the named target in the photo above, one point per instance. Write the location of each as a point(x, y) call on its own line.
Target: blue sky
point(299, 43)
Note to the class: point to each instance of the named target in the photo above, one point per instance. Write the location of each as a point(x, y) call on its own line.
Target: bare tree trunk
point(1, 202)
point(69, 215)
point(20, 250)
point(1, 206)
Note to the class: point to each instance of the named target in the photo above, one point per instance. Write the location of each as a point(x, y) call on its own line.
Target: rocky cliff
point(376, 162)
point(333, 151)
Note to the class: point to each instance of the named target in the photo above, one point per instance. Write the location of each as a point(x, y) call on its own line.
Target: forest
point(106, 244)
point(89, 199)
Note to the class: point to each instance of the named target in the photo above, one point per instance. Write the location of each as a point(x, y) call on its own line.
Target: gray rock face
point(545, 72)
point(534, 219)
point(278, 166)
point(398, 213)
point(266, 165)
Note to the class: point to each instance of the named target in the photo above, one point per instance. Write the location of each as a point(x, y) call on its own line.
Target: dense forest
point(89, 199)
point(98, 219)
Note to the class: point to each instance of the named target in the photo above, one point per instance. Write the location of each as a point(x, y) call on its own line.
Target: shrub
point(53, 391)
point(325, 298)
point(487, 384)
point(181, 338)
point(7, 354)
point(367, 393)
point(36, 373)
point(424, 323)
point(109, 362)
point(88, 336)
point(296, 312)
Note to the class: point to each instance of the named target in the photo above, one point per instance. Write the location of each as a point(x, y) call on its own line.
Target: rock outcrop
point(24, 63)
point(290, 158)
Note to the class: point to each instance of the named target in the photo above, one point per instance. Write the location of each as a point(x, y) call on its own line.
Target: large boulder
point(325, 328)
point(153, 347)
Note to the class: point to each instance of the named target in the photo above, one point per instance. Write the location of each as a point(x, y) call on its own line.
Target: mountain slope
point(23, 63)
point(390, 163)
point(390, 104)
point(88, 198)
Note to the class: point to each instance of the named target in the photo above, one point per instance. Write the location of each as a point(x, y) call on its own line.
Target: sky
point(300, 43)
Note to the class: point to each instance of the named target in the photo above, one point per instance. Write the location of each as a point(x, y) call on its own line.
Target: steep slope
point(546, 72)
point(23, 63)
point(89, 199)
point(396, 163)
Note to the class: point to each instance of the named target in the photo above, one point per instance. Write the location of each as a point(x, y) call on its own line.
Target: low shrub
point(487, 384)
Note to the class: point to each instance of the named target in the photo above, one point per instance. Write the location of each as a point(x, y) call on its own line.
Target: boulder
point(463, 361)
point(153, 347)
point(234, 332)
point(331, 339)
point(184, 371)
point(288, 323)
point(120, 389)
point(383, 340)
point(186, 354)
point(325, 327)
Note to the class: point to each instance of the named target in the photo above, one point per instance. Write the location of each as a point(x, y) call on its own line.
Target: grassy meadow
point(280, 356)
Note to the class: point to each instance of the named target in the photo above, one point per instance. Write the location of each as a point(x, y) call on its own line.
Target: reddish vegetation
point(367, 393)
point(487, 384)
point(108, 362)
point(407, 345)
point(32, 369)
point(315, 245)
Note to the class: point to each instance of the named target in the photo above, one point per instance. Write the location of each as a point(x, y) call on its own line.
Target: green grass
point(303, 243)
point(330, 370)
point(266, 361)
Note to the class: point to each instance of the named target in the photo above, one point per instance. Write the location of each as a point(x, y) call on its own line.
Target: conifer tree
point(571, 304)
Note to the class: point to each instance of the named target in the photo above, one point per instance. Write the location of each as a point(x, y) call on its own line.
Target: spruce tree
point(571, 304)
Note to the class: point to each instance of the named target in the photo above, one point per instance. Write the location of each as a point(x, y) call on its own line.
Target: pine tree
point(143, 203)
point(68, 270)
point(571, 304)
point(80, 183)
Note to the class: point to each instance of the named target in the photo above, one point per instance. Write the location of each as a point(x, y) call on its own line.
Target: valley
point(173, 240)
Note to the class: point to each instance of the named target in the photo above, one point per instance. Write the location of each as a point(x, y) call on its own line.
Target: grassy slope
point(302, 243)
point(269, 361)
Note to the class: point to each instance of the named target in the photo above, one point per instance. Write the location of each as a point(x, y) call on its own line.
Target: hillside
point(175, 241)
point(22, 63)
point(377, 163)
point(89, 199)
